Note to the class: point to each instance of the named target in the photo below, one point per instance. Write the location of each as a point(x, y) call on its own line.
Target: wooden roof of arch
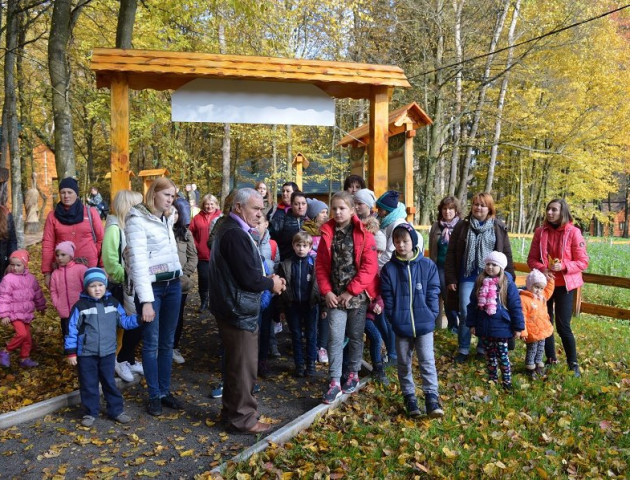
point(162, 70)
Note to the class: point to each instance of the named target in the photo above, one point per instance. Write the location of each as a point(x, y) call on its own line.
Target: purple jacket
point(20, 296)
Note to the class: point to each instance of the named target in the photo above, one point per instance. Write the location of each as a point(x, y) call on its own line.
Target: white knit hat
point(535, 277)
point(497, 258)
point(365, 196)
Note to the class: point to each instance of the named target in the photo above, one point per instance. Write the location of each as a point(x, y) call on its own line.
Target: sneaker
point(461, 358)
point(154, 407)
point(274, 352)
point(123, 418)
point(217, 392)
point(411, 405)
point(379, 374)
point(171, 402)
point(177, 356)
point(5, 359)
point(351, 383)
point(123, 371)
point(255, 389)
point(530, 371)
point(136, 368)
point(28, 363)
point(432, 404)
point(551, 361)
point(540, 371)
point(333, 393)
point(576, 370)
point(322, 355)
point(87, 420)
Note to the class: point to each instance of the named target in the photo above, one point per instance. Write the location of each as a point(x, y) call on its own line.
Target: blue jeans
point(322, 329)
point(158, 337)
point(302, 315)
point(387, 334)
point(374, 337)
point(92, 370)
point(463, 335)
point(423, 345)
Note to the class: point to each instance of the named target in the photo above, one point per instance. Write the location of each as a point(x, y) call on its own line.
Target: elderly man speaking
point(237, 280)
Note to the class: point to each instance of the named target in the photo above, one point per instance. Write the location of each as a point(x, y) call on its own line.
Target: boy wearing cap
point(91, 345)
point(66, 282)
point(410, 288)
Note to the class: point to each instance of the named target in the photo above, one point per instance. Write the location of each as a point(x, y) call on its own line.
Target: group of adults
point(459, 246)
point(141, 259)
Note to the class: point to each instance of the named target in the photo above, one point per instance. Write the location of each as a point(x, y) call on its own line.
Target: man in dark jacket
point(237, 280)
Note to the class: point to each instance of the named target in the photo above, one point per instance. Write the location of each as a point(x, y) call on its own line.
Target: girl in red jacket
point(559, 248)
point(20, 296)
point(346, 270)
point(66, 282)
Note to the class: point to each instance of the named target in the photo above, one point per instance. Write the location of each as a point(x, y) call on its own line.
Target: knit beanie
point(94, 275)
point(314, 207)
point(416, 240)
point(66, 247)
point(381, 241)
point(22, 256)
point(366, 196)
point(535, 277)
point(69, 182)
point(388, 201)
point(497, 258)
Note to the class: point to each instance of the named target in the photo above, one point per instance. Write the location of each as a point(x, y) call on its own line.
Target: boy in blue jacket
point(410, 288)
point(91, 345)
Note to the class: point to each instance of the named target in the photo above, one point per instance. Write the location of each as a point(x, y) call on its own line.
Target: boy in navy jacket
point(410, 288)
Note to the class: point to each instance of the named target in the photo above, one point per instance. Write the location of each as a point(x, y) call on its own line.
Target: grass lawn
point(561, 427)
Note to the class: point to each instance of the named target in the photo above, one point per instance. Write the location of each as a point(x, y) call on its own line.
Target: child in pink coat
point(20, 296)
point(66, 282)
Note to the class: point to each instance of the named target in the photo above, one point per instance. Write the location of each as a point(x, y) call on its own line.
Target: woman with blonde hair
point(114, 244)
point(154, 268)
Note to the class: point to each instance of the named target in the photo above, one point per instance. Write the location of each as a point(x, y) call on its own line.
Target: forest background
point(528, 97)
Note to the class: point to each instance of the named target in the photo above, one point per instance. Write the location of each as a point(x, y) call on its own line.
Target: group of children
point(344, 276)
point(89, 317)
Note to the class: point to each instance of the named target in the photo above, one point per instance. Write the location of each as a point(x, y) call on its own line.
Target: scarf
point(480, 242)
point(447, 229)
point(487, 295)
point(400, 212)
point(72, 216)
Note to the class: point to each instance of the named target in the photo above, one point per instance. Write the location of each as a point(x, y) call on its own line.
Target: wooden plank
point(120, 134)
point(606, 280)
point(409, 172)
point(605, 310)
point(377, 148)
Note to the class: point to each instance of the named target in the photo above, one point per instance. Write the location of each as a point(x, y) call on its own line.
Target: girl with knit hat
point(537, 323)
point(66, 282)
point(20, 296)
point(495, 315)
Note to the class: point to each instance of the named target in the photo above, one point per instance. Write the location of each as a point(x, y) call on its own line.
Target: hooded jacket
point(66, 285)
point(537, 322)
point(565, 243)
point(20, 296)
point(410, 291)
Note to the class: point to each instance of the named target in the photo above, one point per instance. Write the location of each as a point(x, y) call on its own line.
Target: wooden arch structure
point(402, 121)
point(121, 70)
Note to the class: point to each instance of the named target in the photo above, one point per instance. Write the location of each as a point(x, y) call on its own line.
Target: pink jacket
point(565, 243)
point(80, 234)
point(66, 284)
point(20, 296)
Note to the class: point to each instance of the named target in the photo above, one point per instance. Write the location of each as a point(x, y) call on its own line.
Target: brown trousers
point(240, 408)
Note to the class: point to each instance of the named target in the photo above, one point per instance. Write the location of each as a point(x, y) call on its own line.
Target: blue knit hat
point(416, 240)
point(94, 275)
point(388, 201)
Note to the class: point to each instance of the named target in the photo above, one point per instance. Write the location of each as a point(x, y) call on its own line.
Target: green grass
point(562, 427)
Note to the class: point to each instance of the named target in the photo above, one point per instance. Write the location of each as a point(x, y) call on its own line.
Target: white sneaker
point(136, 368)
point(322, 355)
point(123, 371)
point(177, 357)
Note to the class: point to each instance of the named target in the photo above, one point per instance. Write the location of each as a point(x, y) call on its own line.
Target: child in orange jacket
point(537, 322)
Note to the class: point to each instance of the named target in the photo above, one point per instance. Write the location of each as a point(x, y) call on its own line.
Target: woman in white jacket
point(154, 270)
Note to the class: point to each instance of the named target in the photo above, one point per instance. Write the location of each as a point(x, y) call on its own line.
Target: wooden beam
point(409, 134)
point(377, 148)
point(120, 134)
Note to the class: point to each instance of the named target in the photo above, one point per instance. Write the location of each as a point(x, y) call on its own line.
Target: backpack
point(103, 209)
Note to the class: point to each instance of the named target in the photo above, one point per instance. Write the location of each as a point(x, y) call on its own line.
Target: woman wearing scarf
point(391, 213)
point(471, 241)
point(73, 221)
point(439, 237)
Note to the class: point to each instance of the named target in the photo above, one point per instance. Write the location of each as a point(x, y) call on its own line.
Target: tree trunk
point(458, 6)
point(126, 20)
point(462, 191)
point(501, 102)
point(225, 147)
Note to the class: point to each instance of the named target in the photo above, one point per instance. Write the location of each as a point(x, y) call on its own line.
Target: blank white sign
point(244, 101)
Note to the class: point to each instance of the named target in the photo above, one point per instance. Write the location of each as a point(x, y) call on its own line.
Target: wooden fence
point(580, 306)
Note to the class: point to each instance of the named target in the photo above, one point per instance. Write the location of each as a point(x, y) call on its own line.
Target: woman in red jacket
point(200, 228)
point(559, 249)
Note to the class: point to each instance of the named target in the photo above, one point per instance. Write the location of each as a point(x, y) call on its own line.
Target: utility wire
point(535, 39)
